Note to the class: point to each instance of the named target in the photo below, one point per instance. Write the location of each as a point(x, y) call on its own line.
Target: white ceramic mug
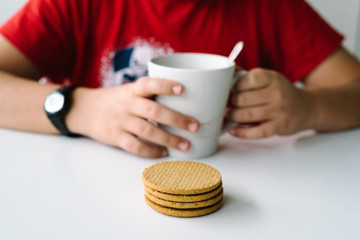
point(207, 81)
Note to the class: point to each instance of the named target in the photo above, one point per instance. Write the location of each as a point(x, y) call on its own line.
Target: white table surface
point(304, 186)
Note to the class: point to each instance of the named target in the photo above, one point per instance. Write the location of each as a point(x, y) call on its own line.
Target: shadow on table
point(242, 206)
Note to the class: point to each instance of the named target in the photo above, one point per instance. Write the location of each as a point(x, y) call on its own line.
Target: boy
point(99, 45)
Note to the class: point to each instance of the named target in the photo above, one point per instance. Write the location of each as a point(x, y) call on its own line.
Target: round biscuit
point(184, 198)
point(184, 212)
point(181, 177)
point(185, 205)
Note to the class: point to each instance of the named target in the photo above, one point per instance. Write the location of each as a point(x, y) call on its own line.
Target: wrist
point(321, 109)
point(76, 120)
point(310, 113)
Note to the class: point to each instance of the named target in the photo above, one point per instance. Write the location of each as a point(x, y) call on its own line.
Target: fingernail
point(177, 90)
point(184, 145)
point(232, 131)
point(164, 153)
point(193, 127)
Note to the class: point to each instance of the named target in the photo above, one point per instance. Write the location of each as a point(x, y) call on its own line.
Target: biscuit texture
point(185, 198)
point(181, 177)
point(184, 212)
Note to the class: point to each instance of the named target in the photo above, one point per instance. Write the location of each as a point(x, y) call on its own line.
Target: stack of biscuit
point(183, 188)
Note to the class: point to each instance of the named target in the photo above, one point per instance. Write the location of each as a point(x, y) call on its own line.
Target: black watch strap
point(58, 118)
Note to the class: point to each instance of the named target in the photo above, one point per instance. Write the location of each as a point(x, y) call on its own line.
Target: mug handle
point(237, 75)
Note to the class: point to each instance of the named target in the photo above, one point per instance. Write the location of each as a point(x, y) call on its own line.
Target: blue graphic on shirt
point(131, 63)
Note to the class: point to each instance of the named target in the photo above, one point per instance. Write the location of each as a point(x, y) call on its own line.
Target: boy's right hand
point(119, 117)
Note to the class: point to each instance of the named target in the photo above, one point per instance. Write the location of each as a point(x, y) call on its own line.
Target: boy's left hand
point(268, 104)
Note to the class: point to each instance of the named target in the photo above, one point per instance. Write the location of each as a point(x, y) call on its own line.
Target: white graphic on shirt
point(130, 63)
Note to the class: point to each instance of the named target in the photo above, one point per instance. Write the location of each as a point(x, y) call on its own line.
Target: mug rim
point(151, 61)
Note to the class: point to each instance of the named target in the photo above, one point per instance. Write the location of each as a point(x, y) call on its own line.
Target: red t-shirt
point(108, 42)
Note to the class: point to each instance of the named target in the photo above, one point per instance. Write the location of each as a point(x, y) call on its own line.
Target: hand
point(119, 117)
point(267, 104)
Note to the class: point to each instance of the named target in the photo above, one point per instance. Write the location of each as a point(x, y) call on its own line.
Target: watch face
point(54, 102)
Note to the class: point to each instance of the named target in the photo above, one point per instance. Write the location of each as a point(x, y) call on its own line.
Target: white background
point(343, 15)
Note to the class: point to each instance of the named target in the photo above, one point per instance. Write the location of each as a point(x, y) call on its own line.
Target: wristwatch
point(57, 104)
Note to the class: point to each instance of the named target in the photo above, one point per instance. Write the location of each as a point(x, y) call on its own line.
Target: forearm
point(21, 104)
point(334, 108)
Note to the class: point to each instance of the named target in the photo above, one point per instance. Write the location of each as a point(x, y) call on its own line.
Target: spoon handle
point(236, 50)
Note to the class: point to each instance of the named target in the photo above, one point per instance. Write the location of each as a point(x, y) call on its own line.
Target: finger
point(149, 109)
point(250, 114)
point(132, 144)
point(147, 87)
point(263, 130)
point(254, 79)
point(154, 134)
point(252, 98)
